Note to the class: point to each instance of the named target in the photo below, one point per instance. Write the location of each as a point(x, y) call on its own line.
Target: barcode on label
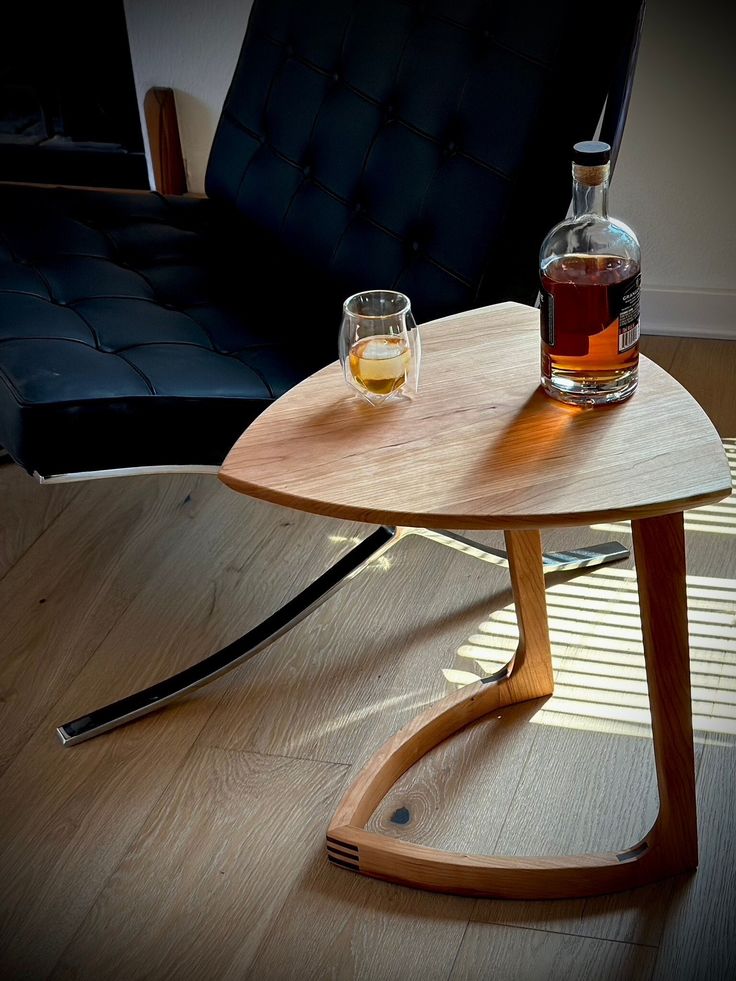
point(628, 338)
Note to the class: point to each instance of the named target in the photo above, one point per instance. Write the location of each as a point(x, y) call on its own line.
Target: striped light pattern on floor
point(598, 655)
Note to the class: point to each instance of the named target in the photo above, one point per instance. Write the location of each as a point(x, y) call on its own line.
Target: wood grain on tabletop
point(481, 446)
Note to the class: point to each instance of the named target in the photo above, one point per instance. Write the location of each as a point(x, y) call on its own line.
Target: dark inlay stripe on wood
point(350, 856)
point(344, 865)
point(341, 844)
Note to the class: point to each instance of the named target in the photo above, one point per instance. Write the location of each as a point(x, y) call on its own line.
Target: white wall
point(190, 46)
point(674, 180)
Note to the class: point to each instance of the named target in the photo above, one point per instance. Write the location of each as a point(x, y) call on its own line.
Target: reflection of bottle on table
point(590, 275)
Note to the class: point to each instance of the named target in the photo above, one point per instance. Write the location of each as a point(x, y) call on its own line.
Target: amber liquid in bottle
point(591, 334)
point(589, 268)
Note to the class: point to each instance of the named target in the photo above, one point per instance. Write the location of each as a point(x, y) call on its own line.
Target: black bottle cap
point(591, 153)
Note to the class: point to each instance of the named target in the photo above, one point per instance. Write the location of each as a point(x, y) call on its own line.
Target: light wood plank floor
point(190, 844)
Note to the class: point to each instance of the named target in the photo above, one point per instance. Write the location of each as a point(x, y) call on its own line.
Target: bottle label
point(572, 312)
point(628, 315)
point(547, 317)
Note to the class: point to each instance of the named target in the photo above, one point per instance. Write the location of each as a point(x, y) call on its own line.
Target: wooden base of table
point(671, 845)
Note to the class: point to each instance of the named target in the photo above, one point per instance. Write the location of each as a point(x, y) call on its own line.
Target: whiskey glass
point(379, 346)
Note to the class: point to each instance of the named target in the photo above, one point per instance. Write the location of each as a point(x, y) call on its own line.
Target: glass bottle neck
point(590, 200)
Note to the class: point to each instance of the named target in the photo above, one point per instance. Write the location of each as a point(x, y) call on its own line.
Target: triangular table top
point(481, 446)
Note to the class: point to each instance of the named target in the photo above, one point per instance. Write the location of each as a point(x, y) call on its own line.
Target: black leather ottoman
point(135, 330)
point(416, 146)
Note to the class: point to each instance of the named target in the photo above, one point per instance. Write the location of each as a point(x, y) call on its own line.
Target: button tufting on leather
point(171, 283)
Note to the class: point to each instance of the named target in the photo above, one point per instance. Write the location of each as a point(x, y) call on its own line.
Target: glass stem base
point(588, 387)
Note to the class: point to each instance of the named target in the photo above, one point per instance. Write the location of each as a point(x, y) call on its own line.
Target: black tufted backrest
point(417, 146)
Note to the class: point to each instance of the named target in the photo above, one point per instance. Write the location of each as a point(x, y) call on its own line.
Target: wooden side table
point(483, 448)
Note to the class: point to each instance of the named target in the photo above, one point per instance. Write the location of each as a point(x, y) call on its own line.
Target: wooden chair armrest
point(159, 107)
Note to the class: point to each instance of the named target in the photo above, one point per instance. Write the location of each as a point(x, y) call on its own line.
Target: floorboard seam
point(520, 772)
point(83, 919)
point(459, 947)
point(564, 933)
point(298, 881)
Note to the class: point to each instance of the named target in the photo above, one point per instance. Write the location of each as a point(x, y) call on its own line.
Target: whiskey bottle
point(590, 271)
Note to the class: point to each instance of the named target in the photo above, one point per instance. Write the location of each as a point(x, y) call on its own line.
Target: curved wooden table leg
point(659, 547)
point(670, 846)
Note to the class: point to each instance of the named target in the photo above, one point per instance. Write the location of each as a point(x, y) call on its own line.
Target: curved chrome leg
point(163, 692)
point(224, 660)
point(577, 558)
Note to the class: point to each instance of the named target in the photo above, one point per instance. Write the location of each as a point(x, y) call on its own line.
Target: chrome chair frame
point(294, 611)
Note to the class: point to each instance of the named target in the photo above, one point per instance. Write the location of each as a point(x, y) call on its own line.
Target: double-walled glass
point(379, 346)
